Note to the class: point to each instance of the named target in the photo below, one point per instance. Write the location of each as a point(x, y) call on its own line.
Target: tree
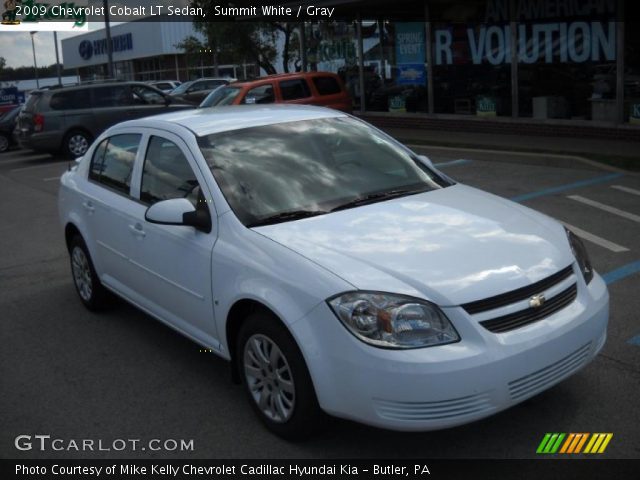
point(289, 53)
point(246, 40)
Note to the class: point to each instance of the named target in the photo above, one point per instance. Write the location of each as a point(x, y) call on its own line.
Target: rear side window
point(32, 102)
point(294, 89)
point(167, 174)
point(113, 96)
point(327, 85)
point(70, 100)
point(112, 162)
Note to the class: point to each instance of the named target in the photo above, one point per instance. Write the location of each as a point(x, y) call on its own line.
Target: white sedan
point(337, 271)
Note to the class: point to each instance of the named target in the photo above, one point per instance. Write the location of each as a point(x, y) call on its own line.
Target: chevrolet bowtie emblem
point(537, 301)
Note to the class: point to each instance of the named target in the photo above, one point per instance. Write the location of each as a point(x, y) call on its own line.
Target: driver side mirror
point(427, 161)
point(179, 212)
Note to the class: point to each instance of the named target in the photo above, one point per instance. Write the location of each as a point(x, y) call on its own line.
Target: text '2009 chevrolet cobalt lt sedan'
point(338, 271)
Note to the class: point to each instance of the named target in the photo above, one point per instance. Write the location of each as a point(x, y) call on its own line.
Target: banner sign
point(410, 53)
point(11, 96)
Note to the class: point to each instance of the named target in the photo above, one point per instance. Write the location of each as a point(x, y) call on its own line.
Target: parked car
point(337, 271)
point(165, 86)
point(196, 90)
point(6, 108)
point(7, 125)
point(311, 88)
point(69, 118)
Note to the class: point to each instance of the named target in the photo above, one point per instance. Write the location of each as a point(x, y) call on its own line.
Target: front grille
point(530, 315)
point(545, 377)
point(519, 294)
point(416, 411)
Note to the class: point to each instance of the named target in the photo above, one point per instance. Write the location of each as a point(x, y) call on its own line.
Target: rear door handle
point(137, 230)
point(88, 205)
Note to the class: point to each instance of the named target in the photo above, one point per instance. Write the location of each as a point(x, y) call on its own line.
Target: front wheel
point(76, 143)
point(276, 378)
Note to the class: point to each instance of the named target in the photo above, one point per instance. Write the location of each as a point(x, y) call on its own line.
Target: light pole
point(35, 64)
point(107, 28)
point(55, 40)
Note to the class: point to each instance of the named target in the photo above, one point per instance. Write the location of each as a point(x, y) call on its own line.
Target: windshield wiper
point(374, 197)
point(286, 216)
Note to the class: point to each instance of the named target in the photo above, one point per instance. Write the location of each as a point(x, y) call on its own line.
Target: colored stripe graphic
point(550, 443)
point(543, 443)
point(572, 443)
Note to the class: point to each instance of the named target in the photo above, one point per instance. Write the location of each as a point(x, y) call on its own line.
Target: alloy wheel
point(82, 274)
point(78, 144)
point(269, 378)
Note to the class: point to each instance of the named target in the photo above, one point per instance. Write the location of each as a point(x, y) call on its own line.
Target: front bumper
point(444, 386)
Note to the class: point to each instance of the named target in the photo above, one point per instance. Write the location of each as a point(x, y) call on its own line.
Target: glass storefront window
point(567, 70)
point(632, 73)
point(472, 69)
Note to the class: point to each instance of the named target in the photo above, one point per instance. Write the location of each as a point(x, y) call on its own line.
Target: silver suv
point(68, 119)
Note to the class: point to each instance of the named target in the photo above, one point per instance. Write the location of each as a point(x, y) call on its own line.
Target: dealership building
point(141, 50)
point(536, 66)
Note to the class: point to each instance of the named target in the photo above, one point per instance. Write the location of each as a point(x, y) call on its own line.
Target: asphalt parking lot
point(74, 375)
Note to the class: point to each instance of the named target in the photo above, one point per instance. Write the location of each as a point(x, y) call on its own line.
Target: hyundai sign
point(120, 43)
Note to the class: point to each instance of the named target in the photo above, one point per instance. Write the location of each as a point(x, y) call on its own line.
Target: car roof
point(282, 76)
point(206, 121)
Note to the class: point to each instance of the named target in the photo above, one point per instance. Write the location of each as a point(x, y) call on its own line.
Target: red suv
point(311, 88)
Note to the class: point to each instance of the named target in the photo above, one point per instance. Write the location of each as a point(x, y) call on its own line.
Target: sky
point(16, 49)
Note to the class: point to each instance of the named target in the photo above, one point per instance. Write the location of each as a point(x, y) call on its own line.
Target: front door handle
point(88, 205)
point(137, 230)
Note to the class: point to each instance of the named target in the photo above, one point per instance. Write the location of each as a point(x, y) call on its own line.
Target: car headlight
point(393, 321)
point(580, 252)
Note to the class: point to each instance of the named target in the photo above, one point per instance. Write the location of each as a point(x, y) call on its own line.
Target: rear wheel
point(4, 142)
point(276, 378)
point(93, 295)
point(76, 143)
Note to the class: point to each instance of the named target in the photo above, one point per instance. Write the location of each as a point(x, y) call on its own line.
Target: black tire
point(76, 143)
point(305, 416)
point(91, 292)
point(5, 143)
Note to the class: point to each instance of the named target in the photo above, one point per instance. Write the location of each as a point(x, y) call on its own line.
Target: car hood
point(453, 245)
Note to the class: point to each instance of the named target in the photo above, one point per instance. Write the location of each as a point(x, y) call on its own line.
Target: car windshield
point(182, 88)
point(220, 96)
point(275, 173)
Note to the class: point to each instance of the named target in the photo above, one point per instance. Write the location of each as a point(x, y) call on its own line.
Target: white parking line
point(33, 167)
point(606, 208)
point(51, 179)
point(633, 191)
point(603, 242)
point(19, 159)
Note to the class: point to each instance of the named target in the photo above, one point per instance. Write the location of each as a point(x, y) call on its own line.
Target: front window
point(312, 167)
point(182, 88)
point(261, 94)
point(167, 174)
point(145, 96)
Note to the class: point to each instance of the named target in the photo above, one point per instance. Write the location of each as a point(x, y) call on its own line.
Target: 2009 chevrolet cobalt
point(338, 271)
